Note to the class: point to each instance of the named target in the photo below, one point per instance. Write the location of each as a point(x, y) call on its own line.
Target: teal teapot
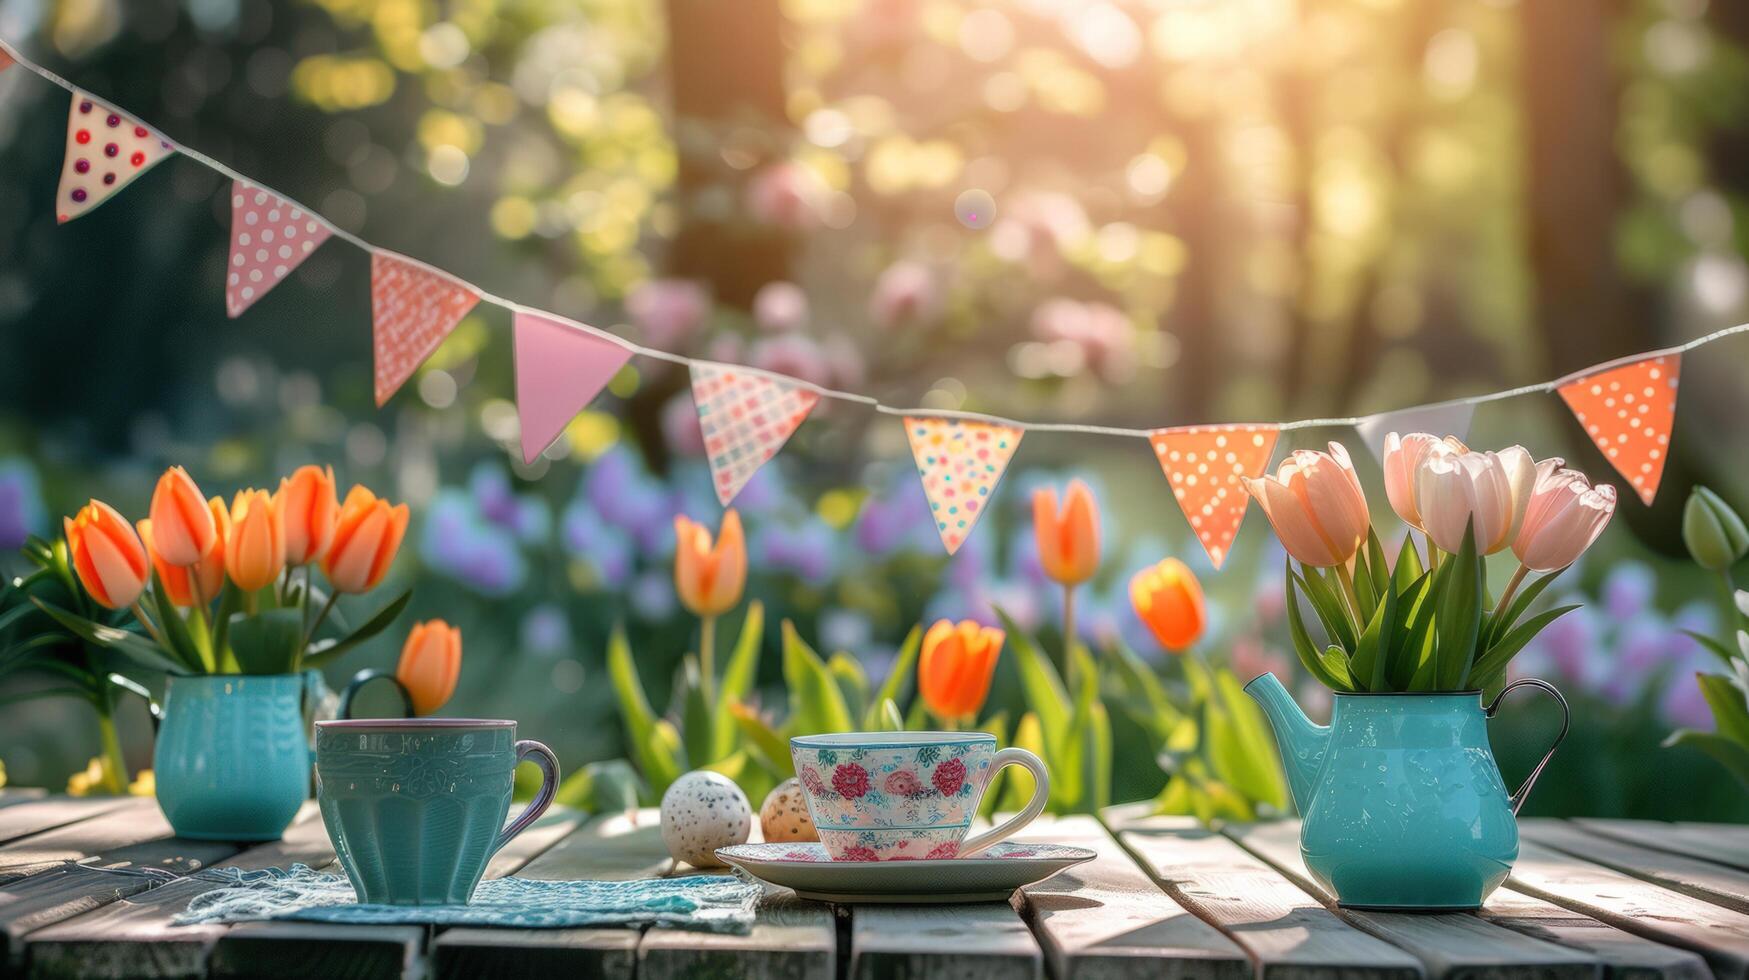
point(1402, 805)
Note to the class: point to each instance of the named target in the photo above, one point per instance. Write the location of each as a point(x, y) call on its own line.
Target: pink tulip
point(1403, 458)
point(1565, 514)
point(1489, 490)
point(1315, 503)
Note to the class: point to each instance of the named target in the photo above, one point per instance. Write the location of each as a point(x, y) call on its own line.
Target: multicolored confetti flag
point(559, 370)
point(746, 417)
point(1628, 410)
point(1449, 419)
point(269, 238)
point(1204, 464)
point(960, 462)
point(105, 152)
point(412, 310)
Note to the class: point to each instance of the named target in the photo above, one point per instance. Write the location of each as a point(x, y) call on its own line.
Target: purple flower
point(545, 630)
point(805, 549)
point(21, 504)
point(478, 555)
point(1627, 592)
point(606, 548)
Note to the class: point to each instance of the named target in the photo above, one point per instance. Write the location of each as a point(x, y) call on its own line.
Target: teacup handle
point(1041, 791)
point(549, 785)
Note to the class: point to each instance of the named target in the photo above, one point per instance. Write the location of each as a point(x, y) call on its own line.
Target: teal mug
point(414, 806)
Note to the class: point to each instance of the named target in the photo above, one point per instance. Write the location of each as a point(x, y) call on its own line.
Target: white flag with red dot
point(105, 152)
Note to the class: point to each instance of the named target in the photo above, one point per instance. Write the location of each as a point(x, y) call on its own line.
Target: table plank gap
point(1690, 876)
point(134, 937)
point(1512, 935)
point(32, 817)
point(1107, 920)
point(1288, 934)
point(1726, 844)
point(1718, 934)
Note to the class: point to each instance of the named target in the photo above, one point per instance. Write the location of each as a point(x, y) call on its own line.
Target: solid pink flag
point(412, 310)
point(559, 370)
point(269, 238)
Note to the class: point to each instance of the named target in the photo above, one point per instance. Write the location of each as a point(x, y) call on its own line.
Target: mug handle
point(1041, 791)
point(549, 786)
point(365, 676)
point(1566, 722)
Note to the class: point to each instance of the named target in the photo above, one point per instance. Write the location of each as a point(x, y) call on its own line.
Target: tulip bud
point(367, 536)
point(107, 555)
point(309, 507)
point(709, 576)
point(182, 524)
point(955, 667)
point(1715, 535)
point(431, 660)
point(255, 545)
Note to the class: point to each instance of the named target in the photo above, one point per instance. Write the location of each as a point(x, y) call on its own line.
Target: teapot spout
point(1302, 742)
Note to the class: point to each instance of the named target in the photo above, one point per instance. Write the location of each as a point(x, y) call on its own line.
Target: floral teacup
point(898, 796)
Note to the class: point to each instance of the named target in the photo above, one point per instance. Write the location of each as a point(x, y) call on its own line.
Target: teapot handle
point(1566, 722)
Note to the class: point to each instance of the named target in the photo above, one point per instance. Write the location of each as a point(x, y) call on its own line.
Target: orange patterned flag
point(412, 310)
point(1629, 412)
point(1204, 464)
point(960, 462)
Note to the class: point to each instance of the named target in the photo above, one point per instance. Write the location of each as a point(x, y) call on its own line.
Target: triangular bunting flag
point(1628, 411)
point(960, 462)
point(559, 370)
point(746, 418)
point(269, 238)
point(1450, 419)
point(105, 152)
point(412, 309)
point(5, 60)
point(1204, 464)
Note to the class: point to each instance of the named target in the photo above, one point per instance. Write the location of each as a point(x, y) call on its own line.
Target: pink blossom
point(680, 428)
point(943, 851)
point(905, 294)
point(949, 777)
point(850, 780)
point(848, 367)
point(668, 311)
point(780, 307)
point(860, 853)
point(903, 783)
point(786, 195)
point(1104, 333)
point(792, 354)
point(1037, 228)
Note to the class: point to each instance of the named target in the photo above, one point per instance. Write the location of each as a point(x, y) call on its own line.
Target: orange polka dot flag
point(105, 152)
point(1629, 411)
point(269, 238)
point(1204, 464)
point(960, 461)
point(412, 310)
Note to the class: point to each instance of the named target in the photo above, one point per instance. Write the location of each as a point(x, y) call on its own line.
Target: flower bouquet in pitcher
point(1403, 805)
point(224, 601)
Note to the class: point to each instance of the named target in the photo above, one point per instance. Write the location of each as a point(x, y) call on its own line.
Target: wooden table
point(1165, 898)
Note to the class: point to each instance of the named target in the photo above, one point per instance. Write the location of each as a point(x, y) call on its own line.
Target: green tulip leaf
point(904, 666)
point(327, 650)
point(816, 703)
point(267, 642)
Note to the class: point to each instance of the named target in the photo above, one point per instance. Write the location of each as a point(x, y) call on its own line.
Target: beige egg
point(784, 816)
point(701, 812)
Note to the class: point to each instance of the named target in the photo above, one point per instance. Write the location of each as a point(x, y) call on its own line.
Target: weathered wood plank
point(1513, 934)
point(1287, 932)
point(134, 937)
point(34, 815)
point(1108, 919)
point(791, 939)
point(1726, 844)
point(619, 847)
point(300, 950)
point(1718, 934)
point(1691, 876)
point(983, 941)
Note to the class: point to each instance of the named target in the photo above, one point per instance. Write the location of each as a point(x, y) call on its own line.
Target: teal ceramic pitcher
point(1402, 805)
point(232, 760)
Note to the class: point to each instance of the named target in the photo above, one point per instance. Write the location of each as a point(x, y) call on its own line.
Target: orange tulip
point(1068, 539)
point(709, 578)
point(185, 528)
point(954, 671)
point(107, 555)
point(367, 535)
point(431, 660)
point(309, 507)
point(180, 581)
point(1168, 599)
point(255, 545)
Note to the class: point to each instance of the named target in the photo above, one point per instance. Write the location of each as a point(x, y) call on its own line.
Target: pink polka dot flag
point(746, 418)
point(1204, 464)
point(559, 370)
point(1629, 411)
point(269, 238)
point(105, 152)
point(5, 60)
point(960, 462)
point(412, 310)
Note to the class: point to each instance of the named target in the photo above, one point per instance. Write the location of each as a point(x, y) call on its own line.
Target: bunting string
point(753, 411)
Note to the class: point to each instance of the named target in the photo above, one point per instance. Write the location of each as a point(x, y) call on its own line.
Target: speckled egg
point(784, 817)
point(701, 812)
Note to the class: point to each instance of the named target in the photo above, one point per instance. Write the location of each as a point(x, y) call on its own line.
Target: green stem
point(1069, 637)
point(304, 602)
point(320, 616)
point(115, 770)
point(1511, 589)
point(1347, 580)
point(707, 659)
point(157, 637)
point(1733, 618)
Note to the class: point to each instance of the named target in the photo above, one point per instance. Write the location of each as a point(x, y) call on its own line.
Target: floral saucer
point(989, 876)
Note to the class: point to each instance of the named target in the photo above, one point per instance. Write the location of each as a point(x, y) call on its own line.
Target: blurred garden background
point(1136, 213)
